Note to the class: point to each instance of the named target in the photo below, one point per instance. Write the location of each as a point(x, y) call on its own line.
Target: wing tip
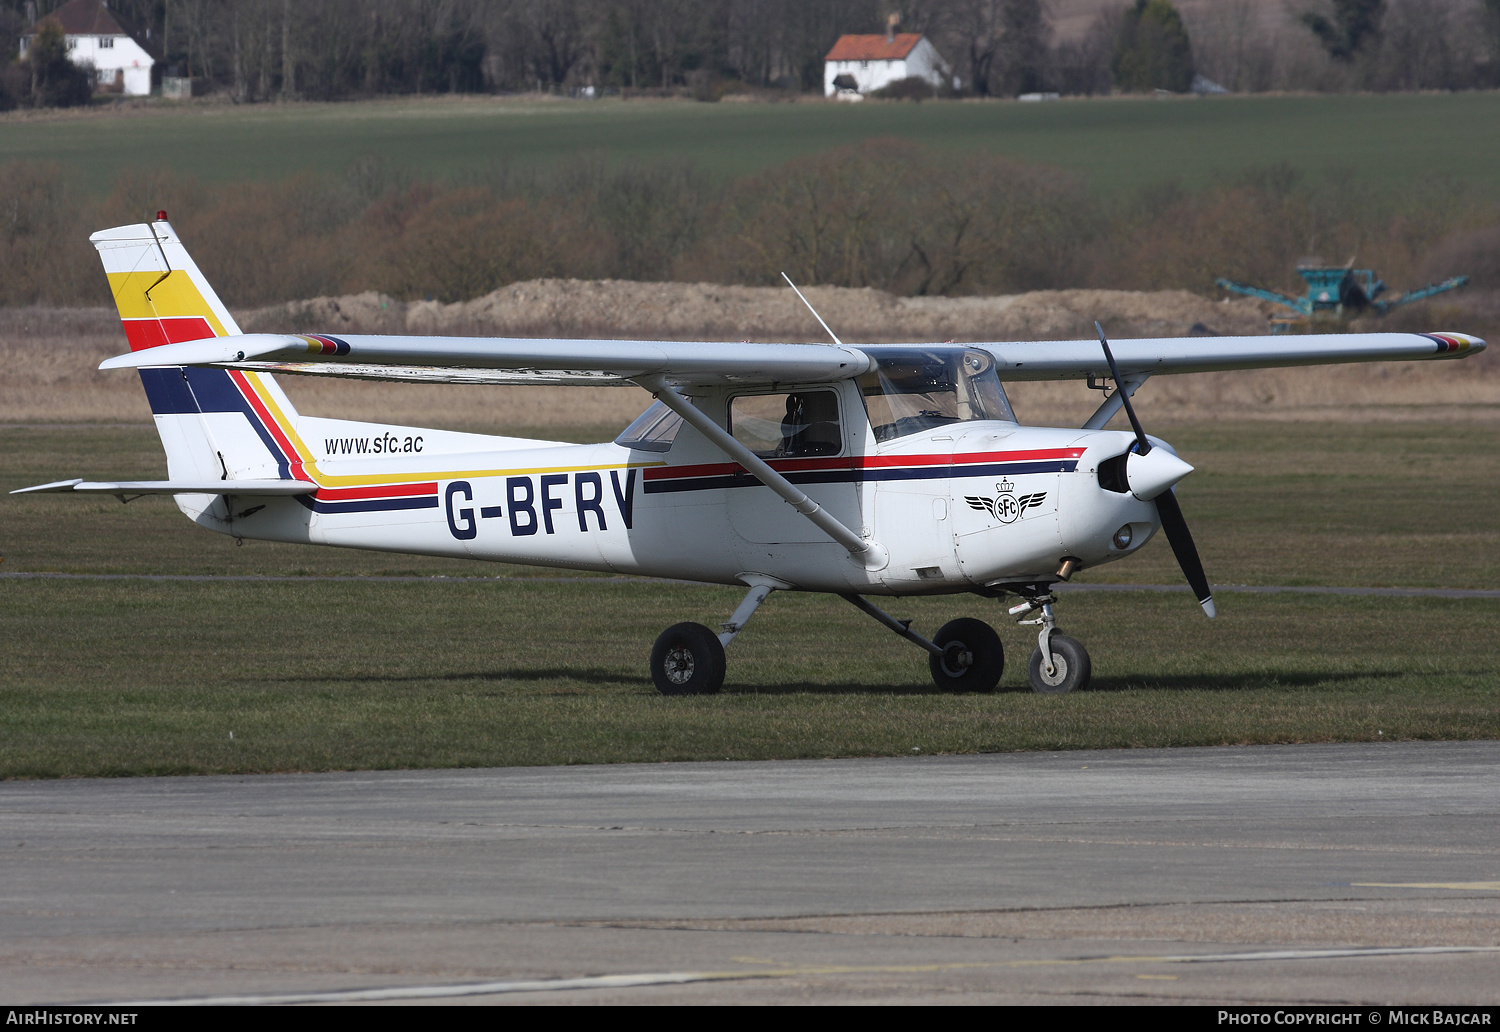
point(1449, 343)
point(56, 485)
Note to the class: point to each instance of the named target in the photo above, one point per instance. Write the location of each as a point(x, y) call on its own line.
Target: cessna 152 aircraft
point(857, 471)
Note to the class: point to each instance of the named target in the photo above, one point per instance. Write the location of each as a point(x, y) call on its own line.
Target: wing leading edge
point(509, 359)
point(1076, 359)
point(686, 364)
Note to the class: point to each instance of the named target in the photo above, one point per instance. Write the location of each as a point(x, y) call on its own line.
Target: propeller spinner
point(1151, 474)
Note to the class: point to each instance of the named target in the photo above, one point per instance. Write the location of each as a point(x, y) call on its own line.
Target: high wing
point(1076, 359)
point(509, 359)
point(681, 363)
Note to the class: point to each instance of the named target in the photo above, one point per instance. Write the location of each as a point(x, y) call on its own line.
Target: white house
point(866, 63)
point(97, 39)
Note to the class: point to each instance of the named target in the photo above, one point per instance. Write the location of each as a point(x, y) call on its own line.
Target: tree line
point(260, 50)
point(886, 214)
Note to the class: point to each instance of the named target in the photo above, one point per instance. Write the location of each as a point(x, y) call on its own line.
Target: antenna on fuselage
point(811, 309)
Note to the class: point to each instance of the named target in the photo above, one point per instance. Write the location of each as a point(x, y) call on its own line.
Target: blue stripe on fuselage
point(857, 476)
point(369, 504)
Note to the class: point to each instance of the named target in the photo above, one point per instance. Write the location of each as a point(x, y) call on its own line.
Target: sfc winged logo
point(1006, 506)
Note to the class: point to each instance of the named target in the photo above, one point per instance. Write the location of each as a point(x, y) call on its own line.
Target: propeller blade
point(1181, 540)
point(1144, 446)
point(1172, 521)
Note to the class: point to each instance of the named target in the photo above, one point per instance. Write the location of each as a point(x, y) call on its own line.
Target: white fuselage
point(956, 507)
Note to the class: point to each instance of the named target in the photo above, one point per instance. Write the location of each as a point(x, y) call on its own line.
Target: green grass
point(1396, 141)
point(151, 677)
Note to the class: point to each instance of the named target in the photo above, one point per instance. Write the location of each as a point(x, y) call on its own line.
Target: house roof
point(84, 18)
point(871, 48)
point(93, 18)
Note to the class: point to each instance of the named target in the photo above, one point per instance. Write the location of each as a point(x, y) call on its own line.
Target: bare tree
point(288, 67)
point(1021, 55)
point(976, 26)
point(1083, 67)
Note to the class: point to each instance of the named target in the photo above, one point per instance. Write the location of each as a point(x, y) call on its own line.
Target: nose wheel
point(1058, 663)
point(1070, 667)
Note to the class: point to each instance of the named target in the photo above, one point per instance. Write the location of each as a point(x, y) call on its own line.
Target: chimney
point(890, 27)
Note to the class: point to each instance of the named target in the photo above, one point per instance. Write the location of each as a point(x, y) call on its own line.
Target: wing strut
point(869, 554)
point(1106, 411)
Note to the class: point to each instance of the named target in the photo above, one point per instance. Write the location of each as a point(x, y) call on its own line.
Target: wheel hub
point(1059, 670)
point(957, 659)
point(679, 664)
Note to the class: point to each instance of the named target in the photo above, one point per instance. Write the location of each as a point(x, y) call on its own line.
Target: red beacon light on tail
point(161, 216)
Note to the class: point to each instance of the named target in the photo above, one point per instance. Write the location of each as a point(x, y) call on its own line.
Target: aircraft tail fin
point(215, 424)
point(161, 295)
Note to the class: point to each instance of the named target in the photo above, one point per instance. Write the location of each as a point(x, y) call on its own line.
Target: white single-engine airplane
point(812, 467)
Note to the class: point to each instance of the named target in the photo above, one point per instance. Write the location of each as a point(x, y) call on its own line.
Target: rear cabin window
point(911, 390)
point(777, 426)
point(653, 430)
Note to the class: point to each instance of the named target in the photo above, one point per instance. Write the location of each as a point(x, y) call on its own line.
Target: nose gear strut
point(1046, 621)
point(1059, 663)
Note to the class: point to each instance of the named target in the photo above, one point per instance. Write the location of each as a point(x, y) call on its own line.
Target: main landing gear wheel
point(687, 660)
point(1070, 667)
point(973, 658)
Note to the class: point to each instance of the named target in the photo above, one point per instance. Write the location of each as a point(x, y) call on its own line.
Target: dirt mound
point(701, 311)
point(49, 357)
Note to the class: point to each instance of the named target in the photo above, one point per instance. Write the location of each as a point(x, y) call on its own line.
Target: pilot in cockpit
point(811, 425)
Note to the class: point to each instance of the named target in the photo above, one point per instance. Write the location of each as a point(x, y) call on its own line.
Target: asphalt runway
point(1366, 874)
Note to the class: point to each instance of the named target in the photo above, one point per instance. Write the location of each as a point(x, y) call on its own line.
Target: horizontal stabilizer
point(172, 487)
point(210, 351)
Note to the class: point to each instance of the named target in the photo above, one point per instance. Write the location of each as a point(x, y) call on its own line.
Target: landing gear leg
point(688, 658)
point(1059, 663)
point(964, 656)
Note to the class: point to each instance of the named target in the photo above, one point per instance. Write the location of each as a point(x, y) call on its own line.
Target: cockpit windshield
point(911, 390)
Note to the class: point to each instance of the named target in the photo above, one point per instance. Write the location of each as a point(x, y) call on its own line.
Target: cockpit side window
point(796, 425)
point(653, 430)
point(912, 390)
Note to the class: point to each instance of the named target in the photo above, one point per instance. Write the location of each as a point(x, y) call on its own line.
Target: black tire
point(973, 657)
point(1071, 662)
point(687, 660)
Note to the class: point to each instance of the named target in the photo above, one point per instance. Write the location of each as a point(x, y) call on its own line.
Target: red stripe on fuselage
point(719, 469)
point(344, 494)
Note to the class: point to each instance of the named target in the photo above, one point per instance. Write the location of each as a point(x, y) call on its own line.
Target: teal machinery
point(1336, 292)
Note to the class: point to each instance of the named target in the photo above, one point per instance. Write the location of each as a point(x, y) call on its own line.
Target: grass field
point(1398, 141)
point(139, 676)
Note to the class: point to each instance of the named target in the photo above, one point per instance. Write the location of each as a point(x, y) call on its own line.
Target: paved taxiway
point(1078, 876)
